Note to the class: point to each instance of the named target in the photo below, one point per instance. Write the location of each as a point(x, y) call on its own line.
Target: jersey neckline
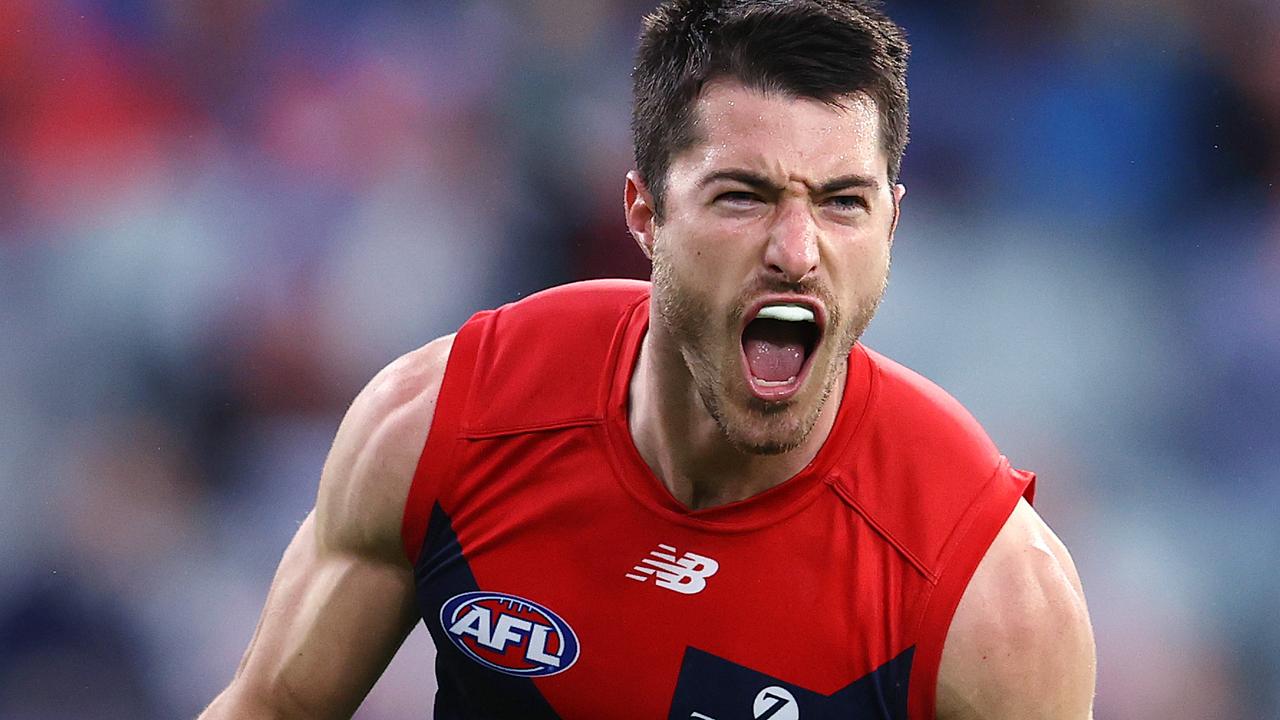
point(759, 510)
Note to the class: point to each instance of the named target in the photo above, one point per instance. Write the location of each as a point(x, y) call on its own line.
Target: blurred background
point(218, 218)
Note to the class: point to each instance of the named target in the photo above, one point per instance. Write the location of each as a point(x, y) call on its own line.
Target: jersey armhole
point(969, 545)
point(435, 465)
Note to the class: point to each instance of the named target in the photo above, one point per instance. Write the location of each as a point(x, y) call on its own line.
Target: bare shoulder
point(367, 475)
point(1020, 644)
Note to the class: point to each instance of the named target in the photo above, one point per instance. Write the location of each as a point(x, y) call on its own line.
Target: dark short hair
point(826, 50)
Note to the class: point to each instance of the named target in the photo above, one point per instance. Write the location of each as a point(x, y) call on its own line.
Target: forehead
point(775, 134)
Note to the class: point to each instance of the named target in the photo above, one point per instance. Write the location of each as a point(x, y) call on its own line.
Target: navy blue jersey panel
point(466, 689)
point(712, 688)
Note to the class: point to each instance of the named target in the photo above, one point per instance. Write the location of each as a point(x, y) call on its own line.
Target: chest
point(552, 591)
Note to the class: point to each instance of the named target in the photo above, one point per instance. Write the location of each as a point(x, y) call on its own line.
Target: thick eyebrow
point(844, 182)
point(751, 179)
point(760, 182)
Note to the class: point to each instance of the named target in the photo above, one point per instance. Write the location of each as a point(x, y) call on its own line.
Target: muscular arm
point(342, 599)
point(1020, 646)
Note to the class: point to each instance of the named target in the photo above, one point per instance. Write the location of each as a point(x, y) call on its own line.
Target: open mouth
point(778, 343)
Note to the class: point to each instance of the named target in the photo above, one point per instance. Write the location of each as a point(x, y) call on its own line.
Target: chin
point(766, 446)
point(769, 429)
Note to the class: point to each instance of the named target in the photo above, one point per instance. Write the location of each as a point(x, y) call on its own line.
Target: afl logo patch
point(509, 634)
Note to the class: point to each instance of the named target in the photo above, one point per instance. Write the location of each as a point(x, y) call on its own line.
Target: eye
point(848, 203)
point(738, 198)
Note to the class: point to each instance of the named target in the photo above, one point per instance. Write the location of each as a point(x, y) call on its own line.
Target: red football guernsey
point(560, 579)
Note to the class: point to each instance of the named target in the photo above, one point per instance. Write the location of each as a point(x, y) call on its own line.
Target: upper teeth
point(789, 313)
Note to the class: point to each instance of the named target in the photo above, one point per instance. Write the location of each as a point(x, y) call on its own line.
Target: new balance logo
point(686, 574)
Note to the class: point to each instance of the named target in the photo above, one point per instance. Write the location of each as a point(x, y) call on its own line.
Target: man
point(699, 499)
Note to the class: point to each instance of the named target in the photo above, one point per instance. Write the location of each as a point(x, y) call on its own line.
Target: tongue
point(774, 349)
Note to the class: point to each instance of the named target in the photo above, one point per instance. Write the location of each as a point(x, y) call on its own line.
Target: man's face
point(772, 255)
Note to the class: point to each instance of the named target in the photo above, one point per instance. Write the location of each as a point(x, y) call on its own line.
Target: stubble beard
point(761, 428)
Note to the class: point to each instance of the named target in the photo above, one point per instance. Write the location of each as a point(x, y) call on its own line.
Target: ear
point(899, 192)
point(640, 213)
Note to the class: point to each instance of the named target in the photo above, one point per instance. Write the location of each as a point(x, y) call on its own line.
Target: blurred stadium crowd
point(218, 218)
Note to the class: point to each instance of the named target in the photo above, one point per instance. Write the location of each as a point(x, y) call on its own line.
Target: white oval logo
point(509, 634)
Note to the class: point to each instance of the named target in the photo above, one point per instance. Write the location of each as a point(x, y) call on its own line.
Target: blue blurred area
point(218, 218)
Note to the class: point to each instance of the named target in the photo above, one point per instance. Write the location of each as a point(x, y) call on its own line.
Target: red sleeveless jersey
point(560, 579)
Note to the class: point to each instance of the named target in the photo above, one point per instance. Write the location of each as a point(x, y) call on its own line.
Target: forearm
point(238, 702)
point(252, 696)
point(331, 623)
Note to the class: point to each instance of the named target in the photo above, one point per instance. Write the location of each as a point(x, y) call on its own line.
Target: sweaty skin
point(781, 195)
point(1020, 646)
point(342, 600)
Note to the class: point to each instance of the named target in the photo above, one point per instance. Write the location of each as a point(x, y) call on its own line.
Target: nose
point(792, 253)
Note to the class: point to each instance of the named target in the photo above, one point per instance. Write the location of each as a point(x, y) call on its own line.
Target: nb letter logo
point(686, 574)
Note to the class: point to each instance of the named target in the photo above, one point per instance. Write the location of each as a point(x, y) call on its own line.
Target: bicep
point(342, 599)
point(332, 621)
point(1020, 644)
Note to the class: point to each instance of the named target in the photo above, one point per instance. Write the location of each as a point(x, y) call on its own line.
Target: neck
point(685, 447)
